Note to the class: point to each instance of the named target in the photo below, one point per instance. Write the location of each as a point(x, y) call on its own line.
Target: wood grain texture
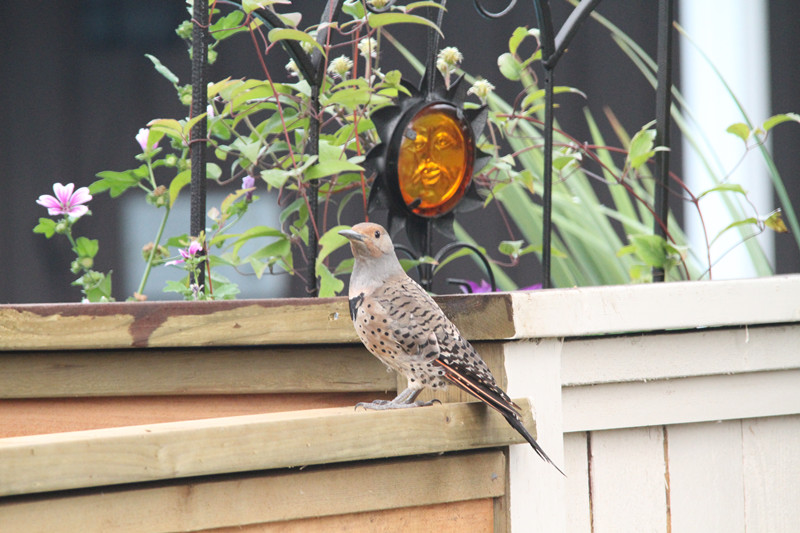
point(41, 416)
point(577, 497)
point(244, 443)
point(627, 481)
point(277, 497)
point(457, 517)
point(219, 323)
point(191, 371)
point(706, 479)
point(771, 473)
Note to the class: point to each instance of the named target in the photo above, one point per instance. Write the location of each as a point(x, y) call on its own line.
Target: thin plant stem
point(152, 255)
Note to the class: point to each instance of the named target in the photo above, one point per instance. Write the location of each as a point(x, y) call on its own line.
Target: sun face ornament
point(426, 160)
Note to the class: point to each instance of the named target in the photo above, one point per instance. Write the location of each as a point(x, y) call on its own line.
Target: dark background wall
point(76, 88)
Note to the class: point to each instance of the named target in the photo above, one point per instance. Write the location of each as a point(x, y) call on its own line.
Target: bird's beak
point(352, 235)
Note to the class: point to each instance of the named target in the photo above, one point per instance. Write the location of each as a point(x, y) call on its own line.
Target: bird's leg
point(403, 400)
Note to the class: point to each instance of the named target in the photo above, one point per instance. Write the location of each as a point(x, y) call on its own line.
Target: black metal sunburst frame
point(425, 162)
point(392, 125)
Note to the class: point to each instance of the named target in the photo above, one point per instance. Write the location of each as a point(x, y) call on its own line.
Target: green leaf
point(118, 182)
point(509, 66)
point(230, 199)
point(163, 70)
point(354, 8)
point(735, 224)
point(650, 249)
point(376, 20)
point(774, 120)
point(169, 126)
point(510, 248)
point(416, 5)
point(181, 287)
point(280, 34)
point(251, 5)
point(86, 247)
point(187, 128)
point(353, 97)
point(228, 25)
point(724, 187)
point(275, 177)
point(213, 172)
point(331, 167)
point(100, 291)
point(516, 39)
point(329, 285)
point(330, 242)
point(254, 232)
point(641, 148)
point(540, 94)
point(178, 182)
point(46, 226)
point(739, 129)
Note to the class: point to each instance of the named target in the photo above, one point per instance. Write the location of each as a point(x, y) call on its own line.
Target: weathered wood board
point(313, 497)
point(115, 456)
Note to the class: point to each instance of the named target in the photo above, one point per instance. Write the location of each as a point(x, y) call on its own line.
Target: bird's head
point(369, 240)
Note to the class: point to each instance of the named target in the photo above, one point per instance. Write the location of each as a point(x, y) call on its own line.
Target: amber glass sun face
point(435, 161)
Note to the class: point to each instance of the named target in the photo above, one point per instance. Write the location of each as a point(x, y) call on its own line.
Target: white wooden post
point(533, 368)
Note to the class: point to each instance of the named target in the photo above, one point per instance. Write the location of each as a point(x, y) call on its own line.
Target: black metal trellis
point(553, 46)
point(198, 134)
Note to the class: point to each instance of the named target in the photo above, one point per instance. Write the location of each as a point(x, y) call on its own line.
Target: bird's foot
point(383, 405)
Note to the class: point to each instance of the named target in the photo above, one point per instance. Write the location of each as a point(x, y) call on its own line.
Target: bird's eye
point(377, 234)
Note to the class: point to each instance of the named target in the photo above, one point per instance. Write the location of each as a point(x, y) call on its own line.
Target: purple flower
point(472, 287)
point(193, 249)
point(142, 138)
point(248, 182)
point(66, 202)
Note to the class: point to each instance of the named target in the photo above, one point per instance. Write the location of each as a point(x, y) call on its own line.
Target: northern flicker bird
point(401, 325)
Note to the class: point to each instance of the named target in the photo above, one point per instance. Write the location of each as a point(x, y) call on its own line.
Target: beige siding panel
point(705, 472)
point(675, 355)
point(772, 473)
point(628, 483)
point(578, 506)
point(677, 401)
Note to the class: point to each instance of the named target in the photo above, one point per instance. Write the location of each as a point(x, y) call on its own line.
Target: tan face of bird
point(369, 240)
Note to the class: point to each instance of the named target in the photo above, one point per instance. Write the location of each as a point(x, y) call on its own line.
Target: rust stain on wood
point(221, 323)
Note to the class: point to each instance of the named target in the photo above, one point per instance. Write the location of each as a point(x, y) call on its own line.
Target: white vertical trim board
point(533, 369)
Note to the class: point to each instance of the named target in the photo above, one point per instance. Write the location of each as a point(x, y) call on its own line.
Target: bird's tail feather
point(497, 400)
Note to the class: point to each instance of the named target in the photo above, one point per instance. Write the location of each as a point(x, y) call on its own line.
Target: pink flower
point(193, 249)
point(142, 138)
point(66, 202)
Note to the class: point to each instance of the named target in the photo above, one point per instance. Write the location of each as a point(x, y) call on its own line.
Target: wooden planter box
point(672, 407)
